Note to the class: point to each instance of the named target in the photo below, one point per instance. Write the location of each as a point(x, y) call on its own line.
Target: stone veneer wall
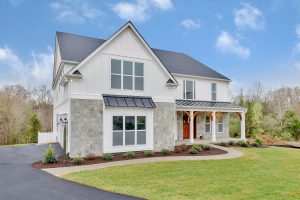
point(163, 126)
point(179, 125)
point(86, 127)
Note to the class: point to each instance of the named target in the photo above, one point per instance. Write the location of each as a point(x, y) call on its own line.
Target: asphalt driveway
point(18, 180)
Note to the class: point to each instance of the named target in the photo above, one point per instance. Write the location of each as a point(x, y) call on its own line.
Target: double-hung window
point(127, 75)
point(129, 130)
point(220, 123)
point(207, 124)
point(188, 89)
point(214, 92)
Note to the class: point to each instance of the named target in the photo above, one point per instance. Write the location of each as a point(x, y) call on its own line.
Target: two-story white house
point(120, 95)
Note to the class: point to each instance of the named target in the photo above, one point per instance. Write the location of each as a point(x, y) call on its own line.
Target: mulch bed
point(67, 162)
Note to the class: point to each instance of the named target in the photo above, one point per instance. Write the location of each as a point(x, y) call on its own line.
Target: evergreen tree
point(34, 127)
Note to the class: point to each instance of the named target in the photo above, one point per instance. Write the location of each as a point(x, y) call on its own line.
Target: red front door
point(186, 130)
point(186, 126)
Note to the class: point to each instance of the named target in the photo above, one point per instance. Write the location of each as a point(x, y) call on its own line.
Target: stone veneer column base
point(163, 126)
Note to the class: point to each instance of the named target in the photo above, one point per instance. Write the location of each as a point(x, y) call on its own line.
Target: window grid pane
point(129, 138)
point(115, 81)
point(117, 138)
point(129, 123)
point(127, 82)
point(127, 68)
point(139, 69)
point(141, 137)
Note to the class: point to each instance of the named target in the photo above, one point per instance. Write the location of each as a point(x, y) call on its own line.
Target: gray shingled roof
point(206, 104)
point(76, 48)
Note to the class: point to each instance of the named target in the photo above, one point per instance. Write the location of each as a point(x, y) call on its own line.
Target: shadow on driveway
point(18, 180)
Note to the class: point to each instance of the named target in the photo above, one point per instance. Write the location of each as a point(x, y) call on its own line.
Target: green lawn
point(265, 173)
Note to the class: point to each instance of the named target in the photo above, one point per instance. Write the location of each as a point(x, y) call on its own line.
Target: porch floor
point(203, 141)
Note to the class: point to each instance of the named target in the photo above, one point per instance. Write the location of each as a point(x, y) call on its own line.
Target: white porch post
point(213, 131)
point(191, 126)
point(243, 126)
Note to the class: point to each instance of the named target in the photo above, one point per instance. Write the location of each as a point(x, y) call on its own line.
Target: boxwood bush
point(129, 154)
point(193, 151)
point(165, 152)
point(107, 156)
point(149, 153)
point(78, 160)
point(184, 146)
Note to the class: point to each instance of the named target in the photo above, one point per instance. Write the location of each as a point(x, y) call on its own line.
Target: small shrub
point(255, 144)
point(78, 160)
point(91, 157)
point(243, 144)
point(129, 154)
point(165, 152)
point(205, 147)
point(224, 144)
point(149, 153)
point(231, 142)
point(197, 147)
point(107, 156)
point(177, 149)
point(258, 141)
point(49, 155)
point(184, 146)
point(193, 151)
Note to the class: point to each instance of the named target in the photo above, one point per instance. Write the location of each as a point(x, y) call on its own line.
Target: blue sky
point(247, 41)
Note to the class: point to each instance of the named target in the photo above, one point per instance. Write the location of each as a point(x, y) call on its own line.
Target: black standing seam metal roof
point(77, 48)
point(128, 101)
point(206, 104)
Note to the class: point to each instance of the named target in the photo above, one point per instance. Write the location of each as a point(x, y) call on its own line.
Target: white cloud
point(15, 2)
point(190, 24)
point(297, 65)
point(226, 43)
point(163, 4)
point(37, 71)
point(248, 16)
point(75, 12)
point(219, 16)
point(140, 10)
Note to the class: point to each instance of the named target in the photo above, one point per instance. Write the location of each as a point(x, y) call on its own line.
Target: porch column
point(191, 126)
point(243, 127)
point(213, 131)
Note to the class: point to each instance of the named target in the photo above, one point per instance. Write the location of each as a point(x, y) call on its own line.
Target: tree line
point(272, 115)
point(23, 113)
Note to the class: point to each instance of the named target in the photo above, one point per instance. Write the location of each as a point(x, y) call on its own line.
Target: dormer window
point(188, 89)
point(127, 75)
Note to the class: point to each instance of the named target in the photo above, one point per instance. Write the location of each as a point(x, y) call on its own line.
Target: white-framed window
point(207, 124)
point(220, 124)
point(213, 91)
point(127, 75)
point(129, 130)
point(188, 89)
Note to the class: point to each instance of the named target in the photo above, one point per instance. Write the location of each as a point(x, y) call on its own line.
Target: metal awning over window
point(128, 101)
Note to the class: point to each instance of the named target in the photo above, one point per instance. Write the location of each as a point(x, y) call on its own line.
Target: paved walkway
point(232, 153)
point(18, 180)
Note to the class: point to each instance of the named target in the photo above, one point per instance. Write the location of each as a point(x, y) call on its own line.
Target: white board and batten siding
point(96, 72)
point(46, 138)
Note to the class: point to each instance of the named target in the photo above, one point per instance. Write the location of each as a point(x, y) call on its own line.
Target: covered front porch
point(206, 122)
